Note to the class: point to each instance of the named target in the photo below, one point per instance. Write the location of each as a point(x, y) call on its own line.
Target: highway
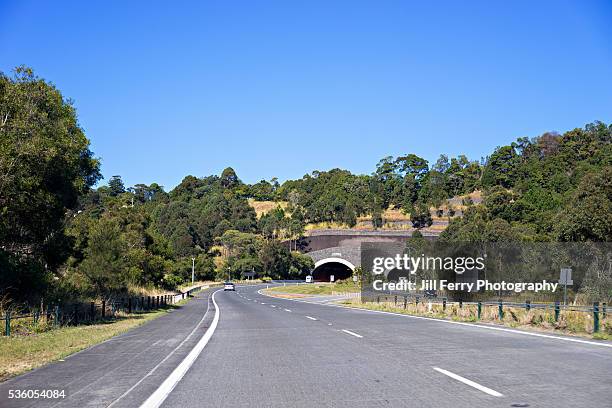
point(251, 350)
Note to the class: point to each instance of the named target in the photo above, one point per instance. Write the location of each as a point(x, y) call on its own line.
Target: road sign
point(331, 278)
point(566, 277)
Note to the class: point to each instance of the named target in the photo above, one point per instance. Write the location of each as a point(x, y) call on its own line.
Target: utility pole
point(192, 270)
point(229, 274)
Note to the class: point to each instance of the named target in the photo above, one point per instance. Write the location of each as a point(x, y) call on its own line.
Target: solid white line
point(159, 396)
point(311, 318)
point(352, 333)
point(469, 382)
point(502, 329)
point(165, 358)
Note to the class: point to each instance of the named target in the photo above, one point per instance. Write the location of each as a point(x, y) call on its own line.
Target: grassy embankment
point(41, 345)
point(394, 219)
point(570, 323)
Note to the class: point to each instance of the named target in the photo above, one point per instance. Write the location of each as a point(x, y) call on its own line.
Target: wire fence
point(15, 322)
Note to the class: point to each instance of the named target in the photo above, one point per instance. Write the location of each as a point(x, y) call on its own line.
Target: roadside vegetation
point(39, 345)
point(344, 286)
point(569, 323)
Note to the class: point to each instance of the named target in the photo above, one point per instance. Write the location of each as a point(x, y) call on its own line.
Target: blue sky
point(166, 89)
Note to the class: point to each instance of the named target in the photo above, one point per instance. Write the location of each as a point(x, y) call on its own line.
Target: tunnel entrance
point(340, 271)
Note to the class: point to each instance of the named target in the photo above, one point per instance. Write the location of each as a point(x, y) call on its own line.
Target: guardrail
point(599, 310)
point(72, 314)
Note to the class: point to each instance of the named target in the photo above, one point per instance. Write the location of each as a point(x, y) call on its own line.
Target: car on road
point(229, 286)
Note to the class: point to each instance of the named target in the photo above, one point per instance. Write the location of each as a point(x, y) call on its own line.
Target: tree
point(229, 179)
point(588, 215)
point(115, 185)
point(420, 216)
point(45, 167)
point(104, 265)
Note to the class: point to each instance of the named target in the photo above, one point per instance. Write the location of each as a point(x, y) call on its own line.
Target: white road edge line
point(310, 317)
point(164, 359)
point(352, 333)
point(160, 395)
point(471, 383)
point(502, 329)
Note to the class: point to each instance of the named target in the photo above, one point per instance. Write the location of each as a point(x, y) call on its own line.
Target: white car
point(229, 286)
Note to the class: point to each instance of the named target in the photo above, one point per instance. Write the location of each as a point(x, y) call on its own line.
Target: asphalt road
point(269, 352)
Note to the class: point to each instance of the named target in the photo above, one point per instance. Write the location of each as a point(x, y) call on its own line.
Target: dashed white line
point(352, 333)
point(287, 310)
point(310, 317)
point(471, 383)
point(272, 306)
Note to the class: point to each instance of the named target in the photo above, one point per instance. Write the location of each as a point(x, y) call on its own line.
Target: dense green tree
point(45, 166)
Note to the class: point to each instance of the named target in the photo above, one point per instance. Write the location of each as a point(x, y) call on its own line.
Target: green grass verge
point(19, 354)
point(318, 288)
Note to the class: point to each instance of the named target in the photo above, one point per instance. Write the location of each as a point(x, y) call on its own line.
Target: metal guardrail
point(79, 313)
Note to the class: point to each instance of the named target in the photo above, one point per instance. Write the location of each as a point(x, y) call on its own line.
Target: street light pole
point(192, 270)
point(229, 273)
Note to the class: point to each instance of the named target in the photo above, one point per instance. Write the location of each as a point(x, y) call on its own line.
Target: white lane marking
point(272, 306)
point(262, 303)
point(310, 317)
point(197, 326)
point(158, 397)
point(352, 333)
point(329, 324)
point(471, 383)
point(502, 329)
point(287, 310)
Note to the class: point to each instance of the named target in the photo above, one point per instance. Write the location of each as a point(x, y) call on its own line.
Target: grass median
point(22, 353)
point(344, 286)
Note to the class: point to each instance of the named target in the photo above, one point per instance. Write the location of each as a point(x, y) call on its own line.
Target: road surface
point(270, 352)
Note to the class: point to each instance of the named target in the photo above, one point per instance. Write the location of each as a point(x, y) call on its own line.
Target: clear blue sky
point(166, 89)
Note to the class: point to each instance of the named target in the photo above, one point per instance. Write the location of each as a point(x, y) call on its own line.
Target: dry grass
point(263, 207)
point(19, 354)
point(569, 323)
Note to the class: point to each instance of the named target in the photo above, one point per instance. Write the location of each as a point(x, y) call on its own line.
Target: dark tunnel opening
point(323, 272)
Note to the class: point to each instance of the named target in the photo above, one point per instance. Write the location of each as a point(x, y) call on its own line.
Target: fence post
point(405, 301)
point(603, 309)
point(378, 299)
point(57, 315)
point(130, 305)
point(479, 309)
point(148, 302)
point(501, 309)
point(595, 317)
point(528, 305)
point(557, 311)
point(7, 323)
point(416, 301)
point(76, 314)
point(103, 309)
point(36, 317)
point(92, 310)
point(395, 301)
point(444, 304)
point(460, 303)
